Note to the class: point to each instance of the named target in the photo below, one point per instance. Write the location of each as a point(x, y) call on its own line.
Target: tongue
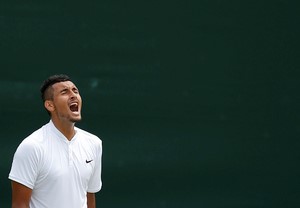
point(73, 108)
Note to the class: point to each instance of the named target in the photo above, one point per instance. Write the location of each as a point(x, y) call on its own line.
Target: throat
point(69, 134)
point(66, 128)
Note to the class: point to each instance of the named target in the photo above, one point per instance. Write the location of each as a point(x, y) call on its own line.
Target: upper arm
point(95, 182)
point(20, 195)
point(25, 165)
point(91, 200)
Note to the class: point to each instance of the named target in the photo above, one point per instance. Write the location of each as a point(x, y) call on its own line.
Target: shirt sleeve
point(95, 182)
point(24, 168)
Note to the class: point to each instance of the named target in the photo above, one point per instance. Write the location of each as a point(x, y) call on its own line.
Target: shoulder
point(88, 137)
point(31, 148)
point(34, 141)
point(90, 142)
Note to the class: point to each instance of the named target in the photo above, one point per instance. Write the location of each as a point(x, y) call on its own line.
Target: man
point(59, 165)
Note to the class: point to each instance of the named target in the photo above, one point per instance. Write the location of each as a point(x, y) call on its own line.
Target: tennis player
point(58, 165)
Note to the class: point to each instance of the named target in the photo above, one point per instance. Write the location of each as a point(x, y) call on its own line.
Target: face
point(66, 103)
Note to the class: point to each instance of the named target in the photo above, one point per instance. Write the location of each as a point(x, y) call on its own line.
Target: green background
point(197, 102)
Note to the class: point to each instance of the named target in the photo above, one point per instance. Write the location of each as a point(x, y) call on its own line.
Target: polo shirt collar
point(59, 134)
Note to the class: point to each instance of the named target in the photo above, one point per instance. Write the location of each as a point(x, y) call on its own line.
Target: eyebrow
point(63, 90)
point(66, 89)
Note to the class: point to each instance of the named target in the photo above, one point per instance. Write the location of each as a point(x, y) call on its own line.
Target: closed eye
point(75, 90)
point(64, 91)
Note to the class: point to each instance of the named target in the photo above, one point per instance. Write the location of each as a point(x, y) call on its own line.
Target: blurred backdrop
point(196, 102)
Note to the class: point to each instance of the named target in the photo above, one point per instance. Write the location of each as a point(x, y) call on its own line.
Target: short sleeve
point(24, 168)
point(95, 182)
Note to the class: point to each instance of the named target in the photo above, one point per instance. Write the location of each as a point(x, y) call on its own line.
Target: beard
point(69, 117)
point(74, 120)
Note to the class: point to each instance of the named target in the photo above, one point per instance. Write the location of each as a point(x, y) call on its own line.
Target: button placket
point(70, 154)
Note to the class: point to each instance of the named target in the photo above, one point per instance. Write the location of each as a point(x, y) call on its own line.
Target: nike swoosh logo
point(88, 161)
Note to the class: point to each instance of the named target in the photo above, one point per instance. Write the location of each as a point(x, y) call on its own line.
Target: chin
point(74, 120)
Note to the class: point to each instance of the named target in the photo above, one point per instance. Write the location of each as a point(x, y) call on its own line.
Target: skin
point(20, 195)
point(61, 96)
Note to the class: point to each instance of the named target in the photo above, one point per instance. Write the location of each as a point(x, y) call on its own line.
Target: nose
point(73, 95)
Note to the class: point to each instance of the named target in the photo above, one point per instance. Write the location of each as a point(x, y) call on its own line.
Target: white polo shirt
point(59, 172)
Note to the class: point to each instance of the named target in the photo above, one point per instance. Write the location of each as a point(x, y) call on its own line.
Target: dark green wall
point(197, 102)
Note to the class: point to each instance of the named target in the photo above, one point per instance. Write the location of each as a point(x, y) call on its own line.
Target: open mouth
point(74, 107)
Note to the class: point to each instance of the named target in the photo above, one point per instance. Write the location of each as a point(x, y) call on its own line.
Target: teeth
point(74, 107)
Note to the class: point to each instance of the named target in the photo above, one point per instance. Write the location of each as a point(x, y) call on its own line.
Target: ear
point(49, 105)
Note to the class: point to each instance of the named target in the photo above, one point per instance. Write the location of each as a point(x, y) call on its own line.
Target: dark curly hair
point(51, 81)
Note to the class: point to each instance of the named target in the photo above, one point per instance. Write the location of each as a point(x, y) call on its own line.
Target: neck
point(66, 128)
